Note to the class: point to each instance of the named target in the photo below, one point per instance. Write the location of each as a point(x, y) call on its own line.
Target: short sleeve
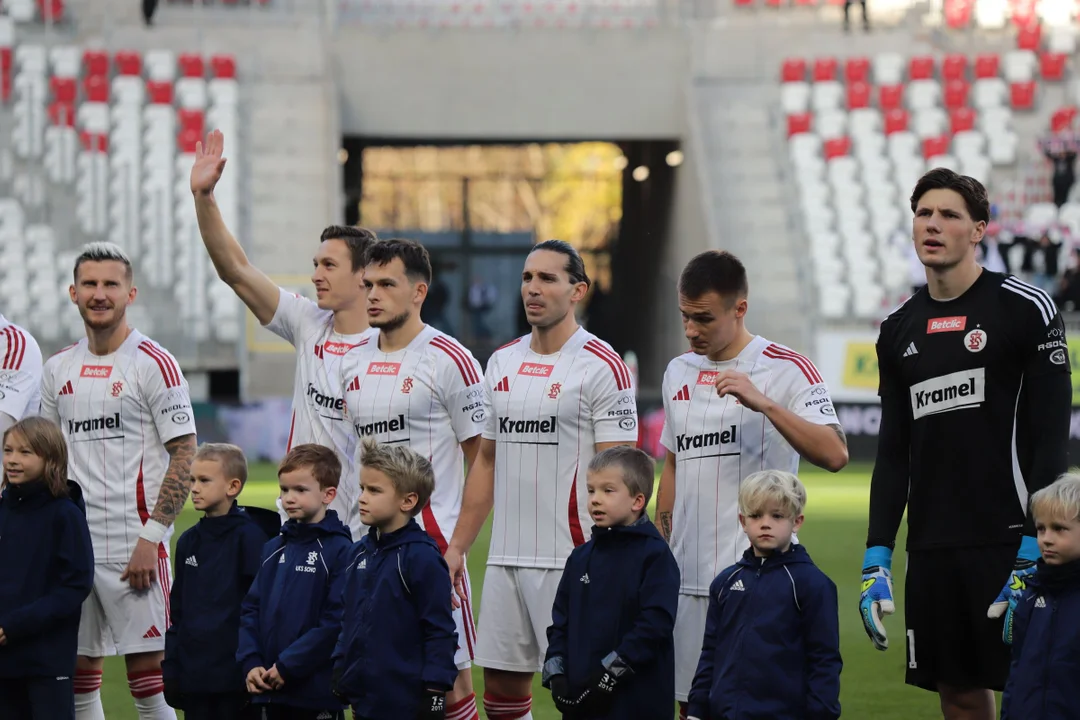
point(293, 314)
point(165, 392)
point(667, 434)
point(461, 388)
point(48, 390)
point(613, 401)
point(20, 374)
point(806, 393)
point(1045, 348)
point(890, 383)
point(491, 379)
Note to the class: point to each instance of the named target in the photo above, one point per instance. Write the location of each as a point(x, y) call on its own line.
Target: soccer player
point(552, 400)
point(124, 409)
point(415, 386)
point(734, 405)
point(975, 411)
point(20, 374)
point(322, 332)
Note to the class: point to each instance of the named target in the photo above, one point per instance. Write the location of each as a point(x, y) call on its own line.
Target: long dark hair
point(47, 442)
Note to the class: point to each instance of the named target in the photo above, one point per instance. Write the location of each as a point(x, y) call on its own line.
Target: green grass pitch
point(872, 685)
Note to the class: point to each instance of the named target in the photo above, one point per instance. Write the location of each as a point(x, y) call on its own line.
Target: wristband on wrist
point(153, 532)
point(879, 556)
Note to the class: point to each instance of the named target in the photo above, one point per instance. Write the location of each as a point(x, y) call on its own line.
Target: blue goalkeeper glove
point(876, 599)
point(1006, 601)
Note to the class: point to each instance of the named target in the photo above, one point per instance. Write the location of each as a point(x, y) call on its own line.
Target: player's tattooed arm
point(177, 482)
point(665, 525)
point(840, 433)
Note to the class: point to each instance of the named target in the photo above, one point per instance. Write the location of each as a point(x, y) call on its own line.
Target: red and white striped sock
point(87, 686)
point(147, 688)
point(498, 707)
point(682, 711)
point(463, 709)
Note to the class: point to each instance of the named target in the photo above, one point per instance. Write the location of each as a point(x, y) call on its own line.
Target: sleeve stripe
point(460, 357)
point(16, 348)
point(618, 367)
point(165, 364)
point(1039, 297)
point(779, 353)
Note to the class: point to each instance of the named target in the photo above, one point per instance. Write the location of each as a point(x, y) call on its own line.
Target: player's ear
point(741, 306)
point(980, 230)
point(71, 294)
point(420, 292)
point(132, 293)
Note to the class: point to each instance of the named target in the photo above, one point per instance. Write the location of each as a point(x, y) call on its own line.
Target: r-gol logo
point(96, 371)
point(378, 368)
point(707, 377)
point(946, 324)
point(535, 370)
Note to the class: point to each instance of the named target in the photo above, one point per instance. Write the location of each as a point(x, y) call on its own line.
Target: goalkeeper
point(975, 411)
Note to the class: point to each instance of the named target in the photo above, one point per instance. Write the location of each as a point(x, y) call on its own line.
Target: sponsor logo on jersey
point(472, 406)
point(954, 391)
point(707, 377)
point(117, 388)
point(622, 411)
point(1058, 357)
point(337, 348)
point(174, 408)
point(956, 323)
point(383, 368)
point(683, 394)
point(817, 401)
point(380, 427)
point(105, 422)
point(554, 390)
point(535, 370)
point(67, 389)
point(706, 440)
point(324, 401)
point(975, 340)
point(509, 425)
point(628, 423)
point(503, 385)
point(96, 371)
point(1053, 344)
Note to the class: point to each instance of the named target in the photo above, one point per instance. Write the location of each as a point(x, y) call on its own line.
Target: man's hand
point(141, 570)
point(455, 560)
point(255, 683)
point(1007, 599)
point(273, 678)
point(433, 706)
point(876, 599)
point(738, 384)
point(209, 164)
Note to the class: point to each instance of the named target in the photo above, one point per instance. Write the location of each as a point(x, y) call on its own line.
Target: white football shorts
point(515, 613)
point(117, 620)
point(689, 634)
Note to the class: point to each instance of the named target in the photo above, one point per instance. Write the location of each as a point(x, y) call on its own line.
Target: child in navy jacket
point(395, 657)
point(772, 639)
point(1046, 628)
point(611, 648)
point(216, 562)
point(47, 563)
point(291, 617)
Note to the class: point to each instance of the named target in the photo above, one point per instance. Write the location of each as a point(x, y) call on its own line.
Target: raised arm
point(249, 283)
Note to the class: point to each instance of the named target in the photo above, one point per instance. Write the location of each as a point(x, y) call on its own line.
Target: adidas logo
point(585, 578)
point(354, 385)
point(738, 586)
point(281, 559)
point(192, 561)
point(153, 632)
point(1040, 602)
point(324, 715)
point(683, 394)
point(504, 385)
point(911, 350)
point(362, 565)
point(67, 389)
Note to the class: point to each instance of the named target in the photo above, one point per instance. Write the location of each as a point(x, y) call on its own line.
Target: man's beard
point(112, 321)
point(394, 323)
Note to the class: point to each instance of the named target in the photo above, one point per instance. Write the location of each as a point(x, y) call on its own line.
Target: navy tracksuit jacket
point(619, 593)
point(772, 643)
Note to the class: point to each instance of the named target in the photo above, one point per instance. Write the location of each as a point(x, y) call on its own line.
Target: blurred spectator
point(482, 298)
point(847, 10)
point(148, 9)
point(1060, 149)
point(1041, 260)
point(1068, 296)
point(990, 255)
point(438, 299)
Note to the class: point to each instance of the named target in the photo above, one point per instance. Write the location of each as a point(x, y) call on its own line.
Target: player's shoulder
point(516, 346)
point(1023, 302)
point(153, 358)
point(64, 354)
point(597, 352)
point(782, 359)
point(903, 314)
point(21, 349)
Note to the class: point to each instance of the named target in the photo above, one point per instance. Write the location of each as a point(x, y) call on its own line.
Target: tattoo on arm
point(177, 482)
point(665, 525)
point(840, 432)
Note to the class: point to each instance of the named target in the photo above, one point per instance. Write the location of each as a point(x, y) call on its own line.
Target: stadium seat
point(890, 97)
point(989, 93)
point(935, 146)
point(96, 62)
point(954, 67)
point(858, 95)
point(837, 148)
point(896, 120)
point(793, 70)
point(1063, 118)
point(1052, 66)
point(1028, 35)
point(96, 88)
point(857, 69)
point(160, 92)
point(1019, 65)
point(51, 10)
point(961, 119)
point(923, 94)
point(1022, 95)
point(64, 90)
point(1062, 40)
point(160, 65)
point(956, 94)
point(888, 68)
point(191, 65)
point(223, 66)
point(826, 95)
point(128, 62)
point(991, 14)
point(831, 124)
point(799, 123)
point(986, 65)
point(921, 67)
point(191, 120)
point(958, 13)
point(930, 122)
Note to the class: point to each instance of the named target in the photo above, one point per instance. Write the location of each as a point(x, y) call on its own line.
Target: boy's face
point(1059, 540)
point(381, 505)
point(770, 529)
point(610, 501)
point(211, 491)
point(301, 496)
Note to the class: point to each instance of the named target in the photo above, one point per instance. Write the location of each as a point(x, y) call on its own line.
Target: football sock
point(498, 707)
point(147, 689)
point(463, 709)
point(87, 686)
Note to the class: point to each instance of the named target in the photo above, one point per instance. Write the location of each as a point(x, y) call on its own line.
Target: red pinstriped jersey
point(546, 413)
point(117, 412)
point(427, 396)
point(20, 371)
point(717, 442)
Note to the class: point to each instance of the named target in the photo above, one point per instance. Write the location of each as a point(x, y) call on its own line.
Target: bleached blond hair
point(408, 471)
point(1059, 500)
point(772, 487)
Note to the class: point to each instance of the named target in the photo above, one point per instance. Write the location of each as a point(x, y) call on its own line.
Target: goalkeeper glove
point(876, 599)
point(1023, 569)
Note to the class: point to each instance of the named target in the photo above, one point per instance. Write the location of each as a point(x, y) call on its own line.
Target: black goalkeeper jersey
point(975, 413)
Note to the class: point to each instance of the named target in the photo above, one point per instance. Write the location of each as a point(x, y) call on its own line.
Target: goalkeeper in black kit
point(975, 411)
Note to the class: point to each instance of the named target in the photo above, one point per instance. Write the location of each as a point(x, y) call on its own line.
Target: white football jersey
point(20, 371)
point(318, 408)
point(717, 442)
point(428, 396)
point(117, 412)
point(546, 413)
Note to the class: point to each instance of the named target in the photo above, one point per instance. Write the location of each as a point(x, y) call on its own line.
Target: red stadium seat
point(96, 62)
point(933, 146)
point(64, 90)
point(891, 97)
point(1063, 118)
point(986, 66)
point(1029, 35)
point(5, 59)
point(799, 123)
point(921, 67)
point(793, 70)
point(954, 67)
point(223, 66)
point(191, 120)
point(1022, 95)
point(857, 69)
point(896, 121)
point(160, 93)
point(806, 3)
point(824, 69)
point(961, 119)
point(744, 3)
point(858, 95)
point(187, 139)
point(837, 147)
point(96, 88)
point(191, 65)
point(956, 94)
point(958, 13)
point(774, 3)
point(128, 62)
point(62, 113)
point(1052, 65)
point(94, 142)
point(51, 9)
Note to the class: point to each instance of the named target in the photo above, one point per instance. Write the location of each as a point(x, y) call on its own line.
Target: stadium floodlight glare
point(342, 156)
point(620, 163)
point(674, 158)
point(641, 173)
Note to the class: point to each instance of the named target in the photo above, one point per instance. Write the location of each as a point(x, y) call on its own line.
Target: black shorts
point(949, 638)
